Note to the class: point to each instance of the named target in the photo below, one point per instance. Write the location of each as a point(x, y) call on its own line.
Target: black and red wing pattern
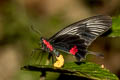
point(76, 37)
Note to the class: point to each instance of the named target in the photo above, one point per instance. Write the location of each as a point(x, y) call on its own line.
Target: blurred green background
point(17, 40)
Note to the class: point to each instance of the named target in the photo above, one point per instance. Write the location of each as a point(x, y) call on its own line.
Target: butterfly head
point(42, 38)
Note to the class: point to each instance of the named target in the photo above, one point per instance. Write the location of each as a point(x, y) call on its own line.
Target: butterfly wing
point(76, 37)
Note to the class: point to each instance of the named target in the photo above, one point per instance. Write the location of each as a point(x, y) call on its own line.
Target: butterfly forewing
point(81, 33)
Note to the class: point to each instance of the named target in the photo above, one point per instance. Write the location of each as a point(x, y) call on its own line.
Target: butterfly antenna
point(36, 30)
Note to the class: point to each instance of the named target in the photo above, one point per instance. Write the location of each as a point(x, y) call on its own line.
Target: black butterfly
point(75, 38)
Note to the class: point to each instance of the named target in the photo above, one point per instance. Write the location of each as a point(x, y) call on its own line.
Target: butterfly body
point(48, 47)
point(75, 38)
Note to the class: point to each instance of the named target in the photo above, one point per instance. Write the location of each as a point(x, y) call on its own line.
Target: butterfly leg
point(48, 60)
point(34, 51)
point(52, 59)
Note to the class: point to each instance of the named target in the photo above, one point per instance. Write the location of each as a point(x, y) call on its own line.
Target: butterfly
point(76, 38)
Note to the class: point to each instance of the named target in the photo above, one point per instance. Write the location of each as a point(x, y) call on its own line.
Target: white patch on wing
point(95, 33)
point(69, 31)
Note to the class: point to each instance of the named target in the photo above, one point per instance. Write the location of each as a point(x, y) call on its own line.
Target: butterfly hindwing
point(81, 34)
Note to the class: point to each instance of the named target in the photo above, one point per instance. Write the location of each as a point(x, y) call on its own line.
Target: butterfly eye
point(41, 38)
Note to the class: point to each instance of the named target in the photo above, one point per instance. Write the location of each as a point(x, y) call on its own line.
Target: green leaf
point(115, 26)
point(83, 69)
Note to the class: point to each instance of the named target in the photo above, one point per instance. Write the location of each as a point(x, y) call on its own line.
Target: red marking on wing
point(73, 50)
point(48, 45)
